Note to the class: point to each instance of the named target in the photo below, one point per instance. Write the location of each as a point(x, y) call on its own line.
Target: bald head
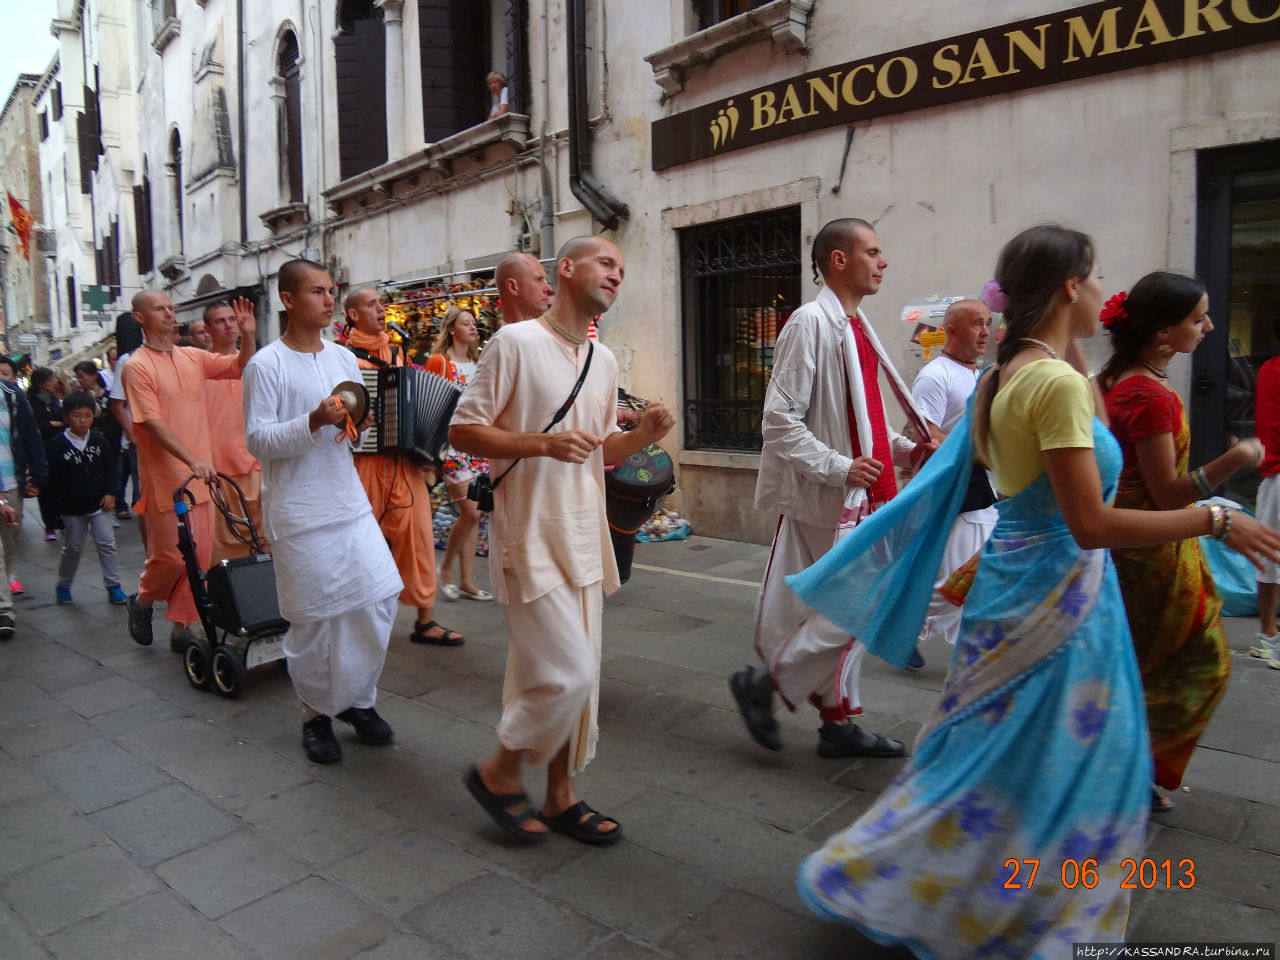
point(523, 287)
point(589, 271)
point(155, 314)
point(967, 324)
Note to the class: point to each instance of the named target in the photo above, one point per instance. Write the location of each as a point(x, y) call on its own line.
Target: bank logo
point(724, 127)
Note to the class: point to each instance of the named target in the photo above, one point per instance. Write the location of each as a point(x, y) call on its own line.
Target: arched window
point(360, 53)
point(175, 184)
point(289, 117)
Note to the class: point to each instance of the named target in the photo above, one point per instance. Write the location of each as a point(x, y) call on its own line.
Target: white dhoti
point(335, 663)
point(968, 534)
point(337, 641)
point(551, 694)
point(809, 657)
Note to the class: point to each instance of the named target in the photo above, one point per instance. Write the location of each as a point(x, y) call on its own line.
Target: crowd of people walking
point(1048, 532)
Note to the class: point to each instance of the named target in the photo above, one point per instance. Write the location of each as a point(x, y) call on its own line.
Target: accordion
point(411, 412)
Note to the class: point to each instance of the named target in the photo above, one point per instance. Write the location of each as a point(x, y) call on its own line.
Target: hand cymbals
point(354, 397)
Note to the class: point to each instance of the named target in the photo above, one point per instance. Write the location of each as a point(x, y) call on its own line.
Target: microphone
point(400, 330)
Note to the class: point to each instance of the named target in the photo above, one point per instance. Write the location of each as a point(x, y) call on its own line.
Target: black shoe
point(753, 690)
point(850, 740)
point(370, 728)
point(916, 661)
point(7, 626)
point(319, 742)
point(139, 622)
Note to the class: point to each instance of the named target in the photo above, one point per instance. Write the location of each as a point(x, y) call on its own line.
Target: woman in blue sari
point(1006, 833)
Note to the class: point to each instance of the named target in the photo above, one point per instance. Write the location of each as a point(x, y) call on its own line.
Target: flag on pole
point(22, 223)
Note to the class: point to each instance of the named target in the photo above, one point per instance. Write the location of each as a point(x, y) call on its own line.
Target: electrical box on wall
point(529, 243)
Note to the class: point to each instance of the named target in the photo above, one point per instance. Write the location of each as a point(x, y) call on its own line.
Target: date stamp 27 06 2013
point(1143, 874)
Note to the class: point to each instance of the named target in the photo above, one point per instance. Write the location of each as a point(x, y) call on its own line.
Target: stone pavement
point(143, 820)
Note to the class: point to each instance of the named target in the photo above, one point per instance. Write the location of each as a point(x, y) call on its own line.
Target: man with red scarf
point(827, 462)
point(397, 486)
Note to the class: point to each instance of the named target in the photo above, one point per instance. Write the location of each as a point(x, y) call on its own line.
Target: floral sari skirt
point(1006, 832)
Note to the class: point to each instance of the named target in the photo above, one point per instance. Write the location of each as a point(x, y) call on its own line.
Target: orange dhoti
point(225, 545)
point(164, 578)
point(401, 504)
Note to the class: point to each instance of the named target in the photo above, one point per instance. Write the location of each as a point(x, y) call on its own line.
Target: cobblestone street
point(141, 819)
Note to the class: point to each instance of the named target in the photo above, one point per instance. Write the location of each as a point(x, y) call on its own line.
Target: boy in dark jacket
point(82, 474)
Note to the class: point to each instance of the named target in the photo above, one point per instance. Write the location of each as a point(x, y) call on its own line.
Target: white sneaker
point(1266, 648)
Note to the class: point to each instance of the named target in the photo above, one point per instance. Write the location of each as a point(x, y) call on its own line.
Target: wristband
point(1201, 482)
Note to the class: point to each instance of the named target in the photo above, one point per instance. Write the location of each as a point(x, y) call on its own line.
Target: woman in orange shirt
point(454, 355)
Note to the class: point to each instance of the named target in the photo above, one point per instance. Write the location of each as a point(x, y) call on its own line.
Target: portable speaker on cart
point(236, 598)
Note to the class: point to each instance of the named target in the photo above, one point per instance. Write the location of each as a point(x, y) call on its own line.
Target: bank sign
point(1083, 42)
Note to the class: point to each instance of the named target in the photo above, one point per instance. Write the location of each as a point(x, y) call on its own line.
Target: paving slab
point(739, 926)
point(654, 898)
point(172, 738)
point(116, 723)
point(311, 920)
point(97, 773)
point(466, 924)
point(319, 823)
point(16, 783)
point(82, 884)
point(16, 941)
point(237, 775)
point(781, 797)
point(618, 947)
point(231, 872)
point(402, 946)
point(399, 873)
point(45, 734)
point(39, 829)
point(157, 927)
point(162, 824)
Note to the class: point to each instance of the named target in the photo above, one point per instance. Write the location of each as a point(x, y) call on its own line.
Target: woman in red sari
point(1173, 608)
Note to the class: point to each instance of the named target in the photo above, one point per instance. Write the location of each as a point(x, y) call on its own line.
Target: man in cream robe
point(827, 461)
point(550, 558)
point(335, 578)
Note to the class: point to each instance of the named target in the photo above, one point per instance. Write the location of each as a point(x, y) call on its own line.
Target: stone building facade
point(710, 139)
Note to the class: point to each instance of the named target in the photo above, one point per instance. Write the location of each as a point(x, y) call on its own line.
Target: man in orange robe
point(397, 486)
point(226, 434)
point(165, 388)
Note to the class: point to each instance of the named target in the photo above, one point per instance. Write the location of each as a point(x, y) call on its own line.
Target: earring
point(1165, 351)
point(1075, 297)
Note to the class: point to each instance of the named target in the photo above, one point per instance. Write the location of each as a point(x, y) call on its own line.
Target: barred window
point(740, 280)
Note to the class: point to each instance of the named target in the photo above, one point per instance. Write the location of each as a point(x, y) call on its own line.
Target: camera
point(481, 491)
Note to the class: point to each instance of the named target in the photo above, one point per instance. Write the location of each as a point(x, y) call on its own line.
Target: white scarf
point(835, 312)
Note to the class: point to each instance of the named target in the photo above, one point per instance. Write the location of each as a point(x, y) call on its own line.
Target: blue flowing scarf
point(876, 583)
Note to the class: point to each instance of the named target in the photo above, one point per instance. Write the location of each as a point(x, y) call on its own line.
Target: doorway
point(1238, 257)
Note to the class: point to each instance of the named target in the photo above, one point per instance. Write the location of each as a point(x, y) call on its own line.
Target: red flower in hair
point(1113, 311)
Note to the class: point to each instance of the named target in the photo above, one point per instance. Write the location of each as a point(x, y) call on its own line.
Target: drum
point(634, 490)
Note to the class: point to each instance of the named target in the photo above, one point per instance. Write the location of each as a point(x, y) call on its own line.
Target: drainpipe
point(547, 228)
point(584, 184)
point(243, 124)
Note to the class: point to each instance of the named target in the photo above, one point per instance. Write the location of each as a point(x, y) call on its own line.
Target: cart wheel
point(196, 662)
point(228, 672)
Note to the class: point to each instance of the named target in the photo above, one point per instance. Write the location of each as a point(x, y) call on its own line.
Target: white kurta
point(941, 391)
point(550, 558)
point(329, 556)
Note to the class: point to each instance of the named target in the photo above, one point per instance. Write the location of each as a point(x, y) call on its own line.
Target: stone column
point(393, 18)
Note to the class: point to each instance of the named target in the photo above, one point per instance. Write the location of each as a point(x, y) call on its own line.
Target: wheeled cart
point(236, 598)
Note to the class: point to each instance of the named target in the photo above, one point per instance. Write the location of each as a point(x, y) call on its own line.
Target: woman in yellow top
point(1030, 783)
